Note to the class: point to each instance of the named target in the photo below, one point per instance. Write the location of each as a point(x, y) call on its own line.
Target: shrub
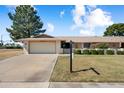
point(110, 52)
point(100, 52)
point(102, 46)
point(120, 52)
point(77, 51)
point(87, 52)
point(1, 46)
point(12, 46)
point(94, 52)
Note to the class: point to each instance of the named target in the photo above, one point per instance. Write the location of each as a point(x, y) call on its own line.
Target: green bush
point(93, 52)
point(12, 46)
point(110, 52)
point(120, 52)
point(87, 52)
point(102, 46)
point(100, 52)
point(77, 51)
point(1, 46)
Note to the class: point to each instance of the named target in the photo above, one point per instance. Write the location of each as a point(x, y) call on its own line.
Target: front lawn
point(6, 53)
point(110, 67)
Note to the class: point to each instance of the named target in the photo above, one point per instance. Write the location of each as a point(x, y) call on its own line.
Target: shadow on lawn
point(93, 69)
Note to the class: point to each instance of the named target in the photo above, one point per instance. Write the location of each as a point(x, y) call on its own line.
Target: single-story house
point(53, 45)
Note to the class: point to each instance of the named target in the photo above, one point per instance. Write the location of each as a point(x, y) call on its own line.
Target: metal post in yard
point(1, 40)
point(71, 57)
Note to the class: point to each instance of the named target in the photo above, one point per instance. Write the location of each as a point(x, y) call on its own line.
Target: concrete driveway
point(27, 68)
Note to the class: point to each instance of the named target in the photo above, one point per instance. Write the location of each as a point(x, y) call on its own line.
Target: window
point(87, 45)
point(65, 44)
point(62, 44)
point(122, 45)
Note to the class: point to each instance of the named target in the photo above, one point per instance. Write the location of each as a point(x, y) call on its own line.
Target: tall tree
point(25, 22)
point(115, 30)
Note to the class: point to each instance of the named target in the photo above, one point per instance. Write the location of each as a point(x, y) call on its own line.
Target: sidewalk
point(85, 85)
point(59, 85)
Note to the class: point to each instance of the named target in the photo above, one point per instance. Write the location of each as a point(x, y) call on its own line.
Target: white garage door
point(42, 48)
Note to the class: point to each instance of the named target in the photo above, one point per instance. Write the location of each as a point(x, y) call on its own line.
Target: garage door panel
point(42, 47)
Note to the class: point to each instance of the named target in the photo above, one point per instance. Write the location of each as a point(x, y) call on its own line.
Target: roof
point(45, 37)
point(93, 38)
point(39, 39)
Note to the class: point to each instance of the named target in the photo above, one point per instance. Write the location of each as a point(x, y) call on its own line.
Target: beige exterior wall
point(113, 45)
point(59, 50)
point(25, 47)
point(93, 45)
point(78, 45)
point(110, 45)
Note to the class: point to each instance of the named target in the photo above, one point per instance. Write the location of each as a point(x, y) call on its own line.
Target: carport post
point(71, 57)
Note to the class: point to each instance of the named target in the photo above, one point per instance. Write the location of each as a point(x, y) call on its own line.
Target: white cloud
point(87, 21)
point(91, 8)
point(98, 17)
point(62, 13)
point(50, 27)
point(78, 12)
point(86, 33)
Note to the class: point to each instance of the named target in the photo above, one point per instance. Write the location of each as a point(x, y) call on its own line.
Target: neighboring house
point(48, 44)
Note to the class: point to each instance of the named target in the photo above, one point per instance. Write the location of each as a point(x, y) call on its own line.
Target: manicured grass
point(6, 53)
point(110, 67)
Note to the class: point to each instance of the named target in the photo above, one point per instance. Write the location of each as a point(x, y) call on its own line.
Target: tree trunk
point(29, 34)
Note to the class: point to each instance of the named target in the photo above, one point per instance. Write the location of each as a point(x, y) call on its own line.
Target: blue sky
point(70, 20)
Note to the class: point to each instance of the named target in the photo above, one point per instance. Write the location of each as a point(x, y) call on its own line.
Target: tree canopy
point(25, 22)
point(115, 30)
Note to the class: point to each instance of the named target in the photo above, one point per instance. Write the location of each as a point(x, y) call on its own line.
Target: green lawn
point(110, 67)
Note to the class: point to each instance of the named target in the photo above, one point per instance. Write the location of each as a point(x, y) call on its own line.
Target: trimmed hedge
point(120, 52)
point(97, 52)
point(86, 51)
point(110, 52)
point(93, 52)
point(100, 52)
point(77, 51)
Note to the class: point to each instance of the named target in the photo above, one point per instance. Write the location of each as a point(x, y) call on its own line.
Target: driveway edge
point(53, 66)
